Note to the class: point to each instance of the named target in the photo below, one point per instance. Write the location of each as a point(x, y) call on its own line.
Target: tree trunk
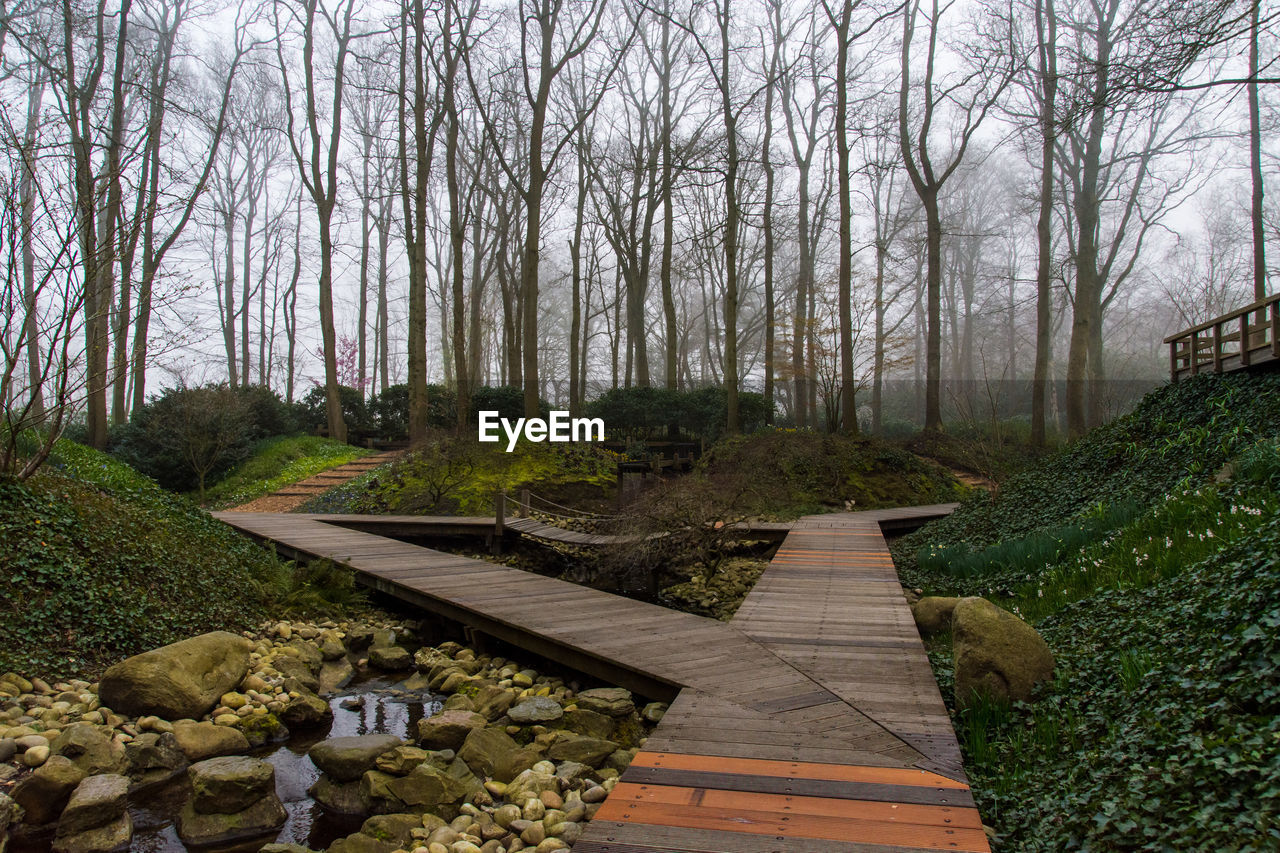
point(1255, 162)
point(848, 413)
point(1047, 33)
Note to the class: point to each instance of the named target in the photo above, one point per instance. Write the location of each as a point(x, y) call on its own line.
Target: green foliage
point(186, 437)
point(1178, 433)
point(638, 413)
point(1162, 730)
point(1023, 556)
point(789, 473)
point(450, 475)
point(99, 562)
point(276, 462)
point(313, 414)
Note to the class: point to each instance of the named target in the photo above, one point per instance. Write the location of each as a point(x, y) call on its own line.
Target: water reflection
point(371, 706)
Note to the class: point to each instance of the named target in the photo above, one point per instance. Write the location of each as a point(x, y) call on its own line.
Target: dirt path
point(296, 494)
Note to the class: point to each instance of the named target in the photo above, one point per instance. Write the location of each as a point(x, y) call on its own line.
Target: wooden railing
point(1234, 341)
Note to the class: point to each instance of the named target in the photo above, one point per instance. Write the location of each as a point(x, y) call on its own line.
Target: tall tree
point(983, 80)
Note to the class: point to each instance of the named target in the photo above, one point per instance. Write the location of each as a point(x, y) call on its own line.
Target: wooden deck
point(810, 723)
point(430, 526)
point(1244, 338)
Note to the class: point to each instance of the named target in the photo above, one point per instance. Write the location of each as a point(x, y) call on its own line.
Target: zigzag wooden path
point(809, 724)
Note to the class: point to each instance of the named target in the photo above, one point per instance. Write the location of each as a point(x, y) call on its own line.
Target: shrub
point(185, 437)
point(360, 423)
point(638, 413)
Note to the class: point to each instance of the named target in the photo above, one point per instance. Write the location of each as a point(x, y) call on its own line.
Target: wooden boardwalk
point(432, 526)
point(1244, 338)
point(809, 724)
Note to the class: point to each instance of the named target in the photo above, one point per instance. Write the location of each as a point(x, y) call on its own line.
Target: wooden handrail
point(1218, 321)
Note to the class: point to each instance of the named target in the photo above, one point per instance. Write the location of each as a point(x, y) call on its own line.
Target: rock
point(183, 680)
point(487, 750)
point(35, 756)
point(392, 658)
point(574, 774)
point(492, 702)
point(654, 711)
point(260, 729)
point(933, 614)
point(207, 830)
point(284, 848)
point(447, 730)
point(331, 647)
point(996, 653)
point(89, 749)
point(335, 675)
point(44, 793)
point(594, 795)
point(427, 788)
point(401, 760)
point(538, 709)
point(530, 783)
point(96, 801)
point(306, 711)
point(151, 758)
point(297, 672)
point(610, 701)
point(8, 748)
point(359, 637)
point(396, 828)
point(199, 741)
point(108, 838)
point(582, 749)
point(590, 723)
point(230, 784)
point(360, 843)
point(338, 797)
point(345, 759)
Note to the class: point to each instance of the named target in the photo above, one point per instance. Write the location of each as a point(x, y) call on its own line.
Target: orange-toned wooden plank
point(797, 826)
point(781, 804)
point(796, 769)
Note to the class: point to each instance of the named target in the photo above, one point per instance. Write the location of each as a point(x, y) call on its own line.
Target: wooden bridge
point(1244, 338)
point(810, 723)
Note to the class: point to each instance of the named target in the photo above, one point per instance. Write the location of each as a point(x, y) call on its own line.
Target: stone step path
point(809, 724)
point(296, 494)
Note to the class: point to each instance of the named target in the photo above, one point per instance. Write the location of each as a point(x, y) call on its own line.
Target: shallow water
point(386, 709)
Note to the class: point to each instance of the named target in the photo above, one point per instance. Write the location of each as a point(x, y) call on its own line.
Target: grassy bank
point(277, 462)
point(99, 562)
point(1145, 554)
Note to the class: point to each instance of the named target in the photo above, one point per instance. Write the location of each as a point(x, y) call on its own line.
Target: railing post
point(524, 503)
point(1244, 339)
point(499, 521)
point(1195, 353)
point(1217, 347)
point(1275, 329)
point(1173, 361)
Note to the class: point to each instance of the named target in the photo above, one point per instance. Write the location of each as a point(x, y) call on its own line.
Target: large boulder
point(338, 797)
point(447, 730)
point(996, 653)
point(183, 680)
point(426, 789)
point(933, 614)
point(199, 741)
point(44, 793)
point(306, 710)
point(345, 759)
point(261, 819)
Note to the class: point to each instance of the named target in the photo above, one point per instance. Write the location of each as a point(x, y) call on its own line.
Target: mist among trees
point(870, 213)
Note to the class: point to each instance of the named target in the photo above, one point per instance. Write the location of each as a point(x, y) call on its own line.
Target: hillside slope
point(99, 562)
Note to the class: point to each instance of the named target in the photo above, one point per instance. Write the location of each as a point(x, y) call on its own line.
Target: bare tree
point(971, 94)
